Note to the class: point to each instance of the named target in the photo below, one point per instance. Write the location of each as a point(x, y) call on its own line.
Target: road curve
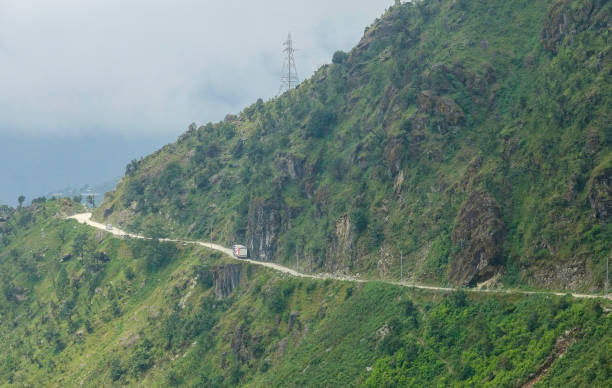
point(85, 218)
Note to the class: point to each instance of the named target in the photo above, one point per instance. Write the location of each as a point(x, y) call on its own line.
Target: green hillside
point(471, 137)
point(146, 313)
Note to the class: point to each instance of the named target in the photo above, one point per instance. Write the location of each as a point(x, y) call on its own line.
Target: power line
point(289, 77)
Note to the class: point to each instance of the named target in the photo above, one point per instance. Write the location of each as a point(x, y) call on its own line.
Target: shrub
point(339, 57)
point(359, 220)
point(320, 123)
point(275, 301)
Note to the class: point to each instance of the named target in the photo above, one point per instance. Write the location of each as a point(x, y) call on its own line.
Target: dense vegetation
point(472, 136)
point(116, 312)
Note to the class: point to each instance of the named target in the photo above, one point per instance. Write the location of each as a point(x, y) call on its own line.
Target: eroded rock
point(564, 21)
point(226, 278)
point(263, 228)
point(477, 240)
point(240, 344)
point(600, 194)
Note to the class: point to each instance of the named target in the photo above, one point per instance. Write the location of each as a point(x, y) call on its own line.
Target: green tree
point(79, 244)
point(320, 123)
point(21, 199)
point(131, 168)
point(62, 283)
point(91, 200)
point(339, 57)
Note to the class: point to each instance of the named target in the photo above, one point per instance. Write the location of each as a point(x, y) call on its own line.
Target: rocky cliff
point(225, 279)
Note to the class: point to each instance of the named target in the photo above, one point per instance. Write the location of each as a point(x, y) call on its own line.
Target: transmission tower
point(289, 77)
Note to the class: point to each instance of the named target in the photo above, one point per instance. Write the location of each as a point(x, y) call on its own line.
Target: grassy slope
point(439, 101)
point(150, 320)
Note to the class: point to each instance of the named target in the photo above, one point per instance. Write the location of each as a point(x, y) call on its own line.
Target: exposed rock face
point(290, 166)
point(394, 153)
point(341, 249)
point(263, 227)
point(226, 278)
point(452, 113)
point(600, 194)
point(569, 275)
point(444, 111)
point(477, 240)
point(565, 21)
point(240, 344)
point(426, 101)
point(282, 347)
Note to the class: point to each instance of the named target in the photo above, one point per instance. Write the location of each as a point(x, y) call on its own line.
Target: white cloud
point(135, 66)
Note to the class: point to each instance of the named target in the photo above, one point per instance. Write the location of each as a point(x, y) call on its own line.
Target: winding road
point(85, 218)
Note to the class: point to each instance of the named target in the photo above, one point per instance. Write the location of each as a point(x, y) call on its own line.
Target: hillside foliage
point(79, 307)
point(472, 137)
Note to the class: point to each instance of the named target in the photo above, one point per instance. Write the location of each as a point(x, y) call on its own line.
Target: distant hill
point(473, 138)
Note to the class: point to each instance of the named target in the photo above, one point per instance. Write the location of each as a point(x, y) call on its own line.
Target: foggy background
point(86, 86)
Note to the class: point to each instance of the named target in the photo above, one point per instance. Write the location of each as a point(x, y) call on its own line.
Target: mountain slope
point(470, 137)
point(79, 307)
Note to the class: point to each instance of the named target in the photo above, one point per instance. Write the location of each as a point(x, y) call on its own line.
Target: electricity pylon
point(289, 77)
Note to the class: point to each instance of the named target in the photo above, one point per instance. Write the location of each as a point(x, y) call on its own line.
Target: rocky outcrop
point(263, 228)
point(477, 240)
point(240, 344)
point(395, 152)
point(341, 249)
point(450, 111)
point(225, 279)
point(572, 274)
point(563, 21)
point(600, 194)
point(444, 112)
point(290, 166)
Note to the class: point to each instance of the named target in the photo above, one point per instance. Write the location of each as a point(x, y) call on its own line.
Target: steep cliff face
point(471, 137)
point(263, 228)
point(600, 194)
point(477, 240)
point(225, 279)
point(341, 249)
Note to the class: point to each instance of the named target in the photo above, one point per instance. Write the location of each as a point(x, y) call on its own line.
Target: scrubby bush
point(339, 57)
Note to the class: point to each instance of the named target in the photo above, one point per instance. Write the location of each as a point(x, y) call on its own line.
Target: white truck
point(240, 251)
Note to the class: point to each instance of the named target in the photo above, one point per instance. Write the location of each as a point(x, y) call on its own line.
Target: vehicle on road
point(240, 251)
point(109, 227)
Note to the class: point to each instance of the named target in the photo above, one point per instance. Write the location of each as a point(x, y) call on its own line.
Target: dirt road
point(85, 218)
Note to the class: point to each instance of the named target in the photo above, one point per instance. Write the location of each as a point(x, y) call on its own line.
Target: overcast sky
point(74, 67)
